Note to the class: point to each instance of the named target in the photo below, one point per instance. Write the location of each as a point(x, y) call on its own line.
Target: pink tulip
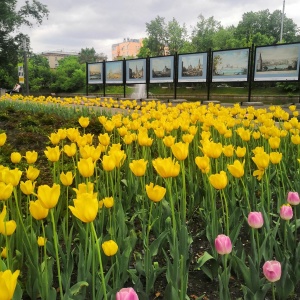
point(255, 219)
point(223, 244)
point(272, 270)
point(127, 294)
point(293, 198)
point(286, 212)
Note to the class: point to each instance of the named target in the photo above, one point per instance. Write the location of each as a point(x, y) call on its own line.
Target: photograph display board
point(95, 73)
point(136, 71)
point(277, 63)
point(192, 67)
point(230, 65)
point(162, 69)
point(114, 72)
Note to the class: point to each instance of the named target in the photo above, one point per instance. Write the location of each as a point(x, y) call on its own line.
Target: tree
point(203, 33)
point(69, 75)
point(176, 36)
point(266, 24)
point(157, 37)
point(11, 20)
point(40, 76)
point(89, 55)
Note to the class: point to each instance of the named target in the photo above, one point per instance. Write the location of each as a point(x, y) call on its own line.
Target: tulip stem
point(55, 240)
point(100, 260)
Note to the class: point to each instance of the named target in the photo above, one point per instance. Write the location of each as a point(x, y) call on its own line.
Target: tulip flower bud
point(272, 270)
point(286, 212)
point(255, 219)
point(126, 294)
point(293, 198)
point(223, 244)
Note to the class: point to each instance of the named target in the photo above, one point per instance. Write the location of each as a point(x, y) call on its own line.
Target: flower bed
point(122, 200)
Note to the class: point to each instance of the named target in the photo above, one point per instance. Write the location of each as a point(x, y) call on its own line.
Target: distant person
point(16, 89)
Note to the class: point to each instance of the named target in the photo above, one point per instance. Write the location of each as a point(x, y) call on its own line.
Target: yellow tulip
point(41, 241)
point(7, 228)
point(48, 196)
point(166, 167)
point(119, 156)
point(212, 149)
point(108, 163)
point(256, 135)
point(138, 167)
point(237, 169)
point(187, 138)
point(84, 122)
point(72, 134)
point(54, 138)
point(228, 150)
point(274, 142)
point(5, 190)
point(85, 207)
point(203, 163)
point(3, 138)
point(81, 141)
point(13, 176)
point(38, 211)
point(86, 167)
point(70, 150)
point(32, 173)
point(169, 140)
point(62, 133)
point(240, 151)
point(259, 173)
point(295, 139)
point(218, 181)
point(27, 187)
point(159, 132)
point(180, 150)
point(108, 202)
point(122, 131)
point(110, 248)
point(128, 139)
point(8, 283)
point(66, 178)
point(31, 157)
point(144, 139)
point(15, 157)
point(275, 157)
point(4, 253)
point(84, 188)
point(104, 139)
point(261, 160)
point(155, 192)
point(52, 154)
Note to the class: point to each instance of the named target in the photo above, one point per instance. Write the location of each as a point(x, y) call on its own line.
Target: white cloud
point(73, 25)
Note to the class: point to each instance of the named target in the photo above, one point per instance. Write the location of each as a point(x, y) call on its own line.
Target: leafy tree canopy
point(11, 20)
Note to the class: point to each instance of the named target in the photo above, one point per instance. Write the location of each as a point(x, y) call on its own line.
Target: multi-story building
point(128, 48)
point(54, 57)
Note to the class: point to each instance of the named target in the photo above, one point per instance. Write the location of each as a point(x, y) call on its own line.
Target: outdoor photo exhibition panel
point(192, 67)
point(136, 70)
point(230, 65)
point(161, 69)
point(95, 73)
point(114, 72)
point(277, 63)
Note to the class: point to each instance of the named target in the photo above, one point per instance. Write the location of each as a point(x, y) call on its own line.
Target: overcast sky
point(75, 24)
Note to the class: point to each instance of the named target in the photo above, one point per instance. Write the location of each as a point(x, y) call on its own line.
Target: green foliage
point(12, 19)
point(69, 75)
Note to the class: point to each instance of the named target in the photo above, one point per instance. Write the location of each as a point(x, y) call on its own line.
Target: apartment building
point(55, 56)
point(128, 48)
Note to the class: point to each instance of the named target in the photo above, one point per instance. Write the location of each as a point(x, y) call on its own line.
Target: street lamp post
point(282, 17)
point(26, 69)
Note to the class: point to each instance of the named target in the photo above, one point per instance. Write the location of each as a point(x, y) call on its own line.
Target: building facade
point(128, 48)
point(55, 56)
